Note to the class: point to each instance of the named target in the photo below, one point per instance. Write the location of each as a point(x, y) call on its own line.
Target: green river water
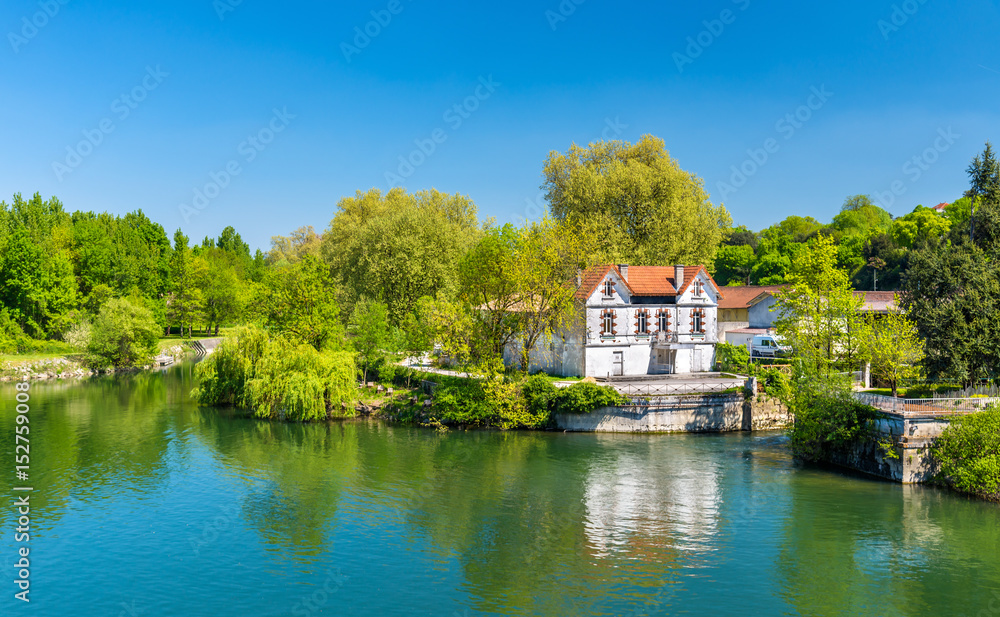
point(145, 504)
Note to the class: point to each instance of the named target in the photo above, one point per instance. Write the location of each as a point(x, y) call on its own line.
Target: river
point(145, 504)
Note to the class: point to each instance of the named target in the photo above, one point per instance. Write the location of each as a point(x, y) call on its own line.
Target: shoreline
point(72, 367)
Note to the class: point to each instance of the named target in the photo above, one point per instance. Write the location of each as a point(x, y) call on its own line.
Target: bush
point(539, 394)
point(12, 337)
point(775, 383)
point(275, 379)
point(78, 336)
point(968, 454)
point(732, 358)
point(828, 424)
point(586, 397)
point(462, 404)
point(124, 335)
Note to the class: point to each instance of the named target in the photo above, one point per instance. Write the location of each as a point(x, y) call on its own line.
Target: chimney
point(678, 277)
point(624, 270)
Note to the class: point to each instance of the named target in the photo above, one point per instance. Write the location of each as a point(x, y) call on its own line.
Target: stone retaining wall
point(909, 438)
point(717, 413)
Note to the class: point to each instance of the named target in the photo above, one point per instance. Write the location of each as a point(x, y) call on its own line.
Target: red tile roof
point(877, 301)
point(642, 280)
point(740, 297)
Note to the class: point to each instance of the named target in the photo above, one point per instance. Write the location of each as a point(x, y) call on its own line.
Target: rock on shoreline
point(66, 368)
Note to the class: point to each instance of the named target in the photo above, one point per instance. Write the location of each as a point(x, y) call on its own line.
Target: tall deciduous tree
point(124, 335)
point(548, 258)
point(639, 206)
point(299, 300)
point(372, 334)
point(734, 265)
point(185, 303)
point(952, 293)
point(490, 287)
point(398, 247)
point(819, 311)
point(892, 346)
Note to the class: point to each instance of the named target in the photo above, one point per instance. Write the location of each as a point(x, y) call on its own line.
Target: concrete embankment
point(900, 451)
point(715, 413)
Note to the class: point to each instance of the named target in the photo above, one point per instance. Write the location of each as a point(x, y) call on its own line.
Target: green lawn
point(923, 391)
point(554, 379)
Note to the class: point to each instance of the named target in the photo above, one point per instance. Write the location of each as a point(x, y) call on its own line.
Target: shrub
point(539, 394)
point(828, 424)
point(968, 454)
point(776, 383)
point(12, 337)
point(462, 404)
point(732, 358)
point(124, 335)
point(586, 397)
point(78, 335)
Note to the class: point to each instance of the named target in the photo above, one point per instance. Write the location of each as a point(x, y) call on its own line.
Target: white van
point(766, 346)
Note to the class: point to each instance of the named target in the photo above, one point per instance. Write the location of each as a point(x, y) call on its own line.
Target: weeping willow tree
point(276, 379)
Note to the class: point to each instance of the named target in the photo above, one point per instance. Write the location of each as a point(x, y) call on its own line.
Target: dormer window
point(609, 288)
point(697, 288)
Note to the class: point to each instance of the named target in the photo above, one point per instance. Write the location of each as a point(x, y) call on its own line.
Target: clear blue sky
point(891, 87)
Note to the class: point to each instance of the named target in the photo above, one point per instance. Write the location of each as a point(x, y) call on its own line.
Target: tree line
point(407, 272)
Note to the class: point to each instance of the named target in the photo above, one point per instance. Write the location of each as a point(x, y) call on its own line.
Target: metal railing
point(640, 391)
point(926, 406)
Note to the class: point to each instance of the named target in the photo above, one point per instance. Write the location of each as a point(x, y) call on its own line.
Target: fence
point(637, 391)
point(926, 406)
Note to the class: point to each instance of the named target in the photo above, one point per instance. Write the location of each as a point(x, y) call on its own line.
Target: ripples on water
point(146, 502)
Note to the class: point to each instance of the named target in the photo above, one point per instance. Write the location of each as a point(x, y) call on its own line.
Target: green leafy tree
point(372, 334)
point(968, 453)
point(186, 301)
point(454, 328)
point(636, 202)
point(222, 292)
point(124, 335)
point(548, 256)
point(892, 345)
point(418, 329)
point(734, 265)
point(919, 227)
point(859, 216)
point(299, 300)
point(276, 378)
point(490, 286)
point(398, 247)
point(819, 312)
point(952, 294)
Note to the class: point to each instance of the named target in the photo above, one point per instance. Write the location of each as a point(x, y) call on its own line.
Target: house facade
point(636, 320)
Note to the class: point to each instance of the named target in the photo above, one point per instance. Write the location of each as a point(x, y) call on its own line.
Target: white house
point(636, 320)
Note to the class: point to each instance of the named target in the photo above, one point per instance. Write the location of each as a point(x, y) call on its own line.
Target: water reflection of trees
point(869, 547)
point(89, 435)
